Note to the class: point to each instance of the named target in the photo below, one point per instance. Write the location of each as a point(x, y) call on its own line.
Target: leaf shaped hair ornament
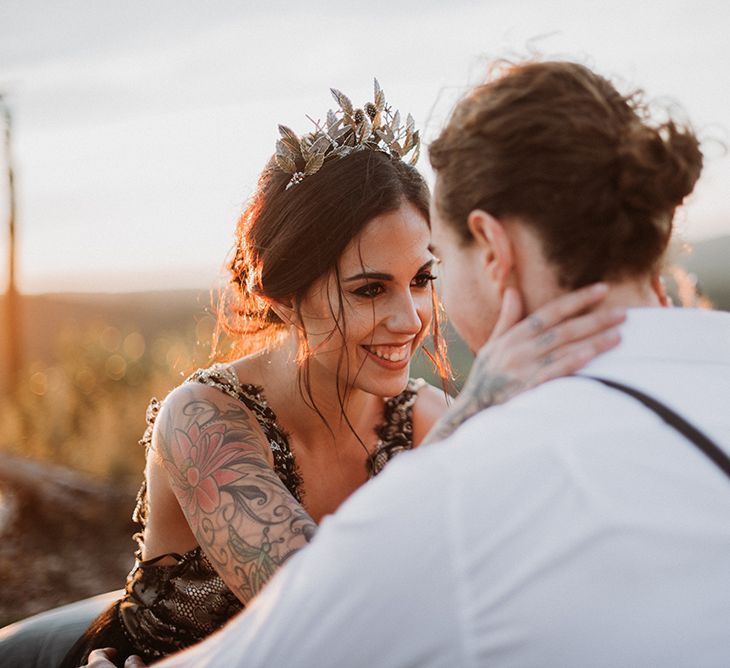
point(374, 126)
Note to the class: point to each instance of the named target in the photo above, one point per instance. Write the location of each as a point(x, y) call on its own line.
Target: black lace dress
point(168, 607)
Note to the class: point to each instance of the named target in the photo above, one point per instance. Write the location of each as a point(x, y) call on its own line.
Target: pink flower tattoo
point(199, 466)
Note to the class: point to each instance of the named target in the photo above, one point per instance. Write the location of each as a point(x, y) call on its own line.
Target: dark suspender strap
point(709, 448)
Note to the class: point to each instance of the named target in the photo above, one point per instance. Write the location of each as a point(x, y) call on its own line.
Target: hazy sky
point(140, 127)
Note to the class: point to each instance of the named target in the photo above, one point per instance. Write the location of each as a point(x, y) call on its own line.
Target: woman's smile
point(389, 356)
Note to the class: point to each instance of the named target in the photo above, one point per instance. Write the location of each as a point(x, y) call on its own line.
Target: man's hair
point(557, 146)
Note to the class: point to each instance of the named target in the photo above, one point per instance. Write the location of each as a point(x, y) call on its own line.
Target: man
point(580, 524)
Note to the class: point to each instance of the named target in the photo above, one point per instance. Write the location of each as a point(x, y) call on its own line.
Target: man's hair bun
point(658, 167)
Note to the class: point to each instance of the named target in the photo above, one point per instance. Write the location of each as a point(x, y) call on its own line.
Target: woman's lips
point(393, 357)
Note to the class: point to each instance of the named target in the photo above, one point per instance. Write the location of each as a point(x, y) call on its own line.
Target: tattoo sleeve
point(241, 513)
point(484, 388)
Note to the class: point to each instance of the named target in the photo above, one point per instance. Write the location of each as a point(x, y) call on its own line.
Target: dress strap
point(689, 431)
point(395, 433)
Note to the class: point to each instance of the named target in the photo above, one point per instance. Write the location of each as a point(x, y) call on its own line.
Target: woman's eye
point(370, 290)
point(422, 280)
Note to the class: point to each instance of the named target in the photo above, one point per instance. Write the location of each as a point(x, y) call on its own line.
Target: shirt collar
point(681, 334)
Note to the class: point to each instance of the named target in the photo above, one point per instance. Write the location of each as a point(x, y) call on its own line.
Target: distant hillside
point(710, 261)
point(43, 317)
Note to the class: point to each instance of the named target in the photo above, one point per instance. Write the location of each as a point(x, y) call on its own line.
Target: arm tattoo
point(241, 513)
point(482, 390)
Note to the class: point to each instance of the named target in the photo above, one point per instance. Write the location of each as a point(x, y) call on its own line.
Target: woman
point(332, 294)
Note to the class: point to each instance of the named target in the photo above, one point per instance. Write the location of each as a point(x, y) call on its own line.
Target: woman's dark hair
point(288, 238)
point(557, 146)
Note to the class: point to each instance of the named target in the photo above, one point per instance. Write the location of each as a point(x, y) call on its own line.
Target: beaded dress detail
point(167, 607)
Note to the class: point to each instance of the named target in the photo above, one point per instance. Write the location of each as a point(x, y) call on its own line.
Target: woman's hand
point(102, 658)
point(557, 340)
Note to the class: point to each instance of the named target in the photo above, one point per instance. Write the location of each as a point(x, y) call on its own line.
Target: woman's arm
point(241, 514)
point(556, 340)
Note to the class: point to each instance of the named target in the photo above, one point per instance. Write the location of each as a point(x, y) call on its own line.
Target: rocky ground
point(63, 537)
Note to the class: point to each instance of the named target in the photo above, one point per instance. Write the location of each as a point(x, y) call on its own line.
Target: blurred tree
point(12, 317)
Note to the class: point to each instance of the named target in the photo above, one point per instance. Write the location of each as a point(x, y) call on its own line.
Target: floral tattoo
point(243, 516)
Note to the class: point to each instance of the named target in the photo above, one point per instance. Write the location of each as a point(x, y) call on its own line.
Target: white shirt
point(570, 527)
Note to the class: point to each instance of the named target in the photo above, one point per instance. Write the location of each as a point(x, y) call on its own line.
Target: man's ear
point(492, 239)
point(286, 310)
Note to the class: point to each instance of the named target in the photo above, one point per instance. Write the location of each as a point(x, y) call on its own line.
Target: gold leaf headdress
point(376, 127)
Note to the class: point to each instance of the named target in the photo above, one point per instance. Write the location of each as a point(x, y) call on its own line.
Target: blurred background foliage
point(93, 363)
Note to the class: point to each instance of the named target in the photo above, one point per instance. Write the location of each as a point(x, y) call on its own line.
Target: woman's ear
point(495, 245)
point(287, 311)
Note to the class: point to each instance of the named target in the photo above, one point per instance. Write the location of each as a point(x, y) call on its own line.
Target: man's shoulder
point(540, 428)
point(561, 402)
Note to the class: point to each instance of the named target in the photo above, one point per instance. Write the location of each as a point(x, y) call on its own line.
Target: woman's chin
point(385, 382)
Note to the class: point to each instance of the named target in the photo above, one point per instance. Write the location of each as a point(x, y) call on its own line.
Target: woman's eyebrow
point(381, 276)
point(376, 275)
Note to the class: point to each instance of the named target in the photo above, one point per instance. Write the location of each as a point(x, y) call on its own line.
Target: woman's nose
point(404, 317)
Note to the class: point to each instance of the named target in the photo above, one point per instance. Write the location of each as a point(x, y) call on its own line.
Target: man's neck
point(536, 278)
point(632, 293)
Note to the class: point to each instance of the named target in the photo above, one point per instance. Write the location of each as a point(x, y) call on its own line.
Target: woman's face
point(385, 277)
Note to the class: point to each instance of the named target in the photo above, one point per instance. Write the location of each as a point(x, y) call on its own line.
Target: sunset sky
point(140, 127)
